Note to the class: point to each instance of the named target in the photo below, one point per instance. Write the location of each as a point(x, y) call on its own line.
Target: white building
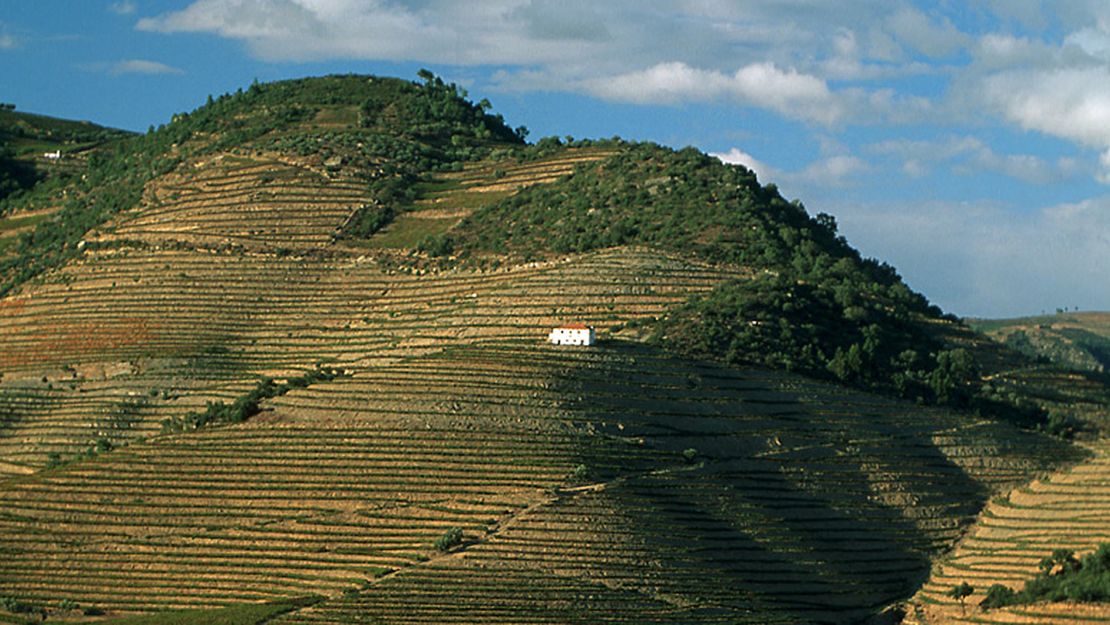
point(572, 334)
point(55, 155)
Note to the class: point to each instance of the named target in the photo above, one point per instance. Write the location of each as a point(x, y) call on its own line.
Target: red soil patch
point(68, 342)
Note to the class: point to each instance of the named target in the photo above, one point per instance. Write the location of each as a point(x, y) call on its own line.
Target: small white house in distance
point(55, 155)
point(572, 334)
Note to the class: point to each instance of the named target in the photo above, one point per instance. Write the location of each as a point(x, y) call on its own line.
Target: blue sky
point(966, 143)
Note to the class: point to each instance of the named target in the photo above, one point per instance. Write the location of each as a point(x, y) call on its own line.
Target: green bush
point(451, 538)
point(998, 596)
point(581, 473)
point(1063, 577)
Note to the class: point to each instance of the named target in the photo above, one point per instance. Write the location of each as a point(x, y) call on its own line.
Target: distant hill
point(288, 349)
point(37, 149)
point(27, 138)
point(1080, 340)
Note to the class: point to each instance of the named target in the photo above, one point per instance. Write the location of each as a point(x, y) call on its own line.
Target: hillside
point(1078, 340)
point(25, 141)
point(772, 428)
point(26, 138)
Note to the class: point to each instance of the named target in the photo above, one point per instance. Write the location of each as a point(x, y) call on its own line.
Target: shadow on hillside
point(814, 499)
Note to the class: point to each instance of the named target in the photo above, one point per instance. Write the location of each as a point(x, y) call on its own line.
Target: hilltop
point(288, 349)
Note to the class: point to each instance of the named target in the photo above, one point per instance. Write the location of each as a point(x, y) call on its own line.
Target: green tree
point(961, 591)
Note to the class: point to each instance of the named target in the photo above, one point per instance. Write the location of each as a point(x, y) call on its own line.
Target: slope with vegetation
point(290, 345)
point(1077, 340)
point(1067, 510)
point(25, 138)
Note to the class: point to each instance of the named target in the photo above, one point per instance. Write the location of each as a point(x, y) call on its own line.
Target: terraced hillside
point(448, 198)
point(565, 470)
point(120, 341)
point(256, 200)
point(408, 240)
point(1064, 510)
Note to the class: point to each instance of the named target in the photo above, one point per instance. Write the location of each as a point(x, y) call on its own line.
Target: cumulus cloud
point(780, 45)
point(736, 156)
point(1070, 103)
point(785, 91)
point(1054, 84)
point(436, 31)
point(985, 259)
point(1073, 103)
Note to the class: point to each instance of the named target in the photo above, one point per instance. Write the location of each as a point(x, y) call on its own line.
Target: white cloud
point(580, 39)
point(1071, 103)
point(787, 92)
point(933, 38)
point(990, 260)
point(969, 155)
point(826, 64)
point(7, 40)
point(142, 66)
point(836, 170)
point(434, 31)
point(736, 156)
point(126, 7)
point(999, 51)
point(778, 56)
point(132, 66)
point(665, 83)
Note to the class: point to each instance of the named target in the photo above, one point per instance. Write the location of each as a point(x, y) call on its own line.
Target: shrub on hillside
point(248, 405)
point(450, 539)
point(1063, 577)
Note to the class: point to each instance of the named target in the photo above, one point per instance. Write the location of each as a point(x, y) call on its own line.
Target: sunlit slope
point(564, 468)
point(410, 241)
point(1069, 509)
point(116, 343)
point(274, 201)
point(256, 200)
point(446, 198)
